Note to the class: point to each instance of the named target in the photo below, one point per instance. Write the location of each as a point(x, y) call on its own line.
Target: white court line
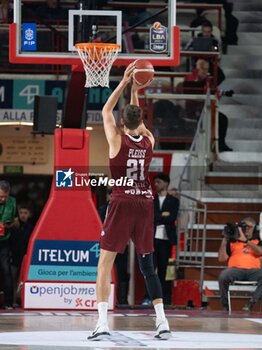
point(84, 314)
point(128, 339)
point(257, 320)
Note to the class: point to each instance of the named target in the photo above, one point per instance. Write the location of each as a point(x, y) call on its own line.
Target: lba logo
point(64, 178)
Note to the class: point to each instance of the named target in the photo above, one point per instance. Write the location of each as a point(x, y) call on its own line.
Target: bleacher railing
point(191, 236)
point(191, 223)
point(200, 153)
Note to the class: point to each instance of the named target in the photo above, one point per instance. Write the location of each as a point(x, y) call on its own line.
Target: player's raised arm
point(134, 94)
point(109, 122)
point(142, 130)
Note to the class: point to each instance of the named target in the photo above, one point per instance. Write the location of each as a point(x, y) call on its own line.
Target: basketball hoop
point(97, 59)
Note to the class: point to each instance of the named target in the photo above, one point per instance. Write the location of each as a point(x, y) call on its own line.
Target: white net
point(97, 59)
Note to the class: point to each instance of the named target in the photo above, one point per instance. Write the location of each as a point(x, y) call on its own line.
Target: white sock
point(160, 313)
point(102, 312)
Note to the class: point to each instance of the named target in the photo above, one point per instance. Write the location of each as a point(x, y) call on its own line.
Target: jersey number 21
point(135, 169)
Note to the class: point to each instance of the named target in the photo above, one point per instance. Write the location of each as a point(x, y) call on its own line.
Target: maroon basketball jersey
point(129, 168)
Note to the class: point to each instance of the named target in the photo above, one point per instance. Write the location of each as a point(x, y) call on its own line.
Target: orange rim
point(99, 46)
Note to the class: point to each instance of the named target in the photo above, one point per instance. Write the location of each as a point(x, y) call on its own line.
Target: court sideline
point(132, 329)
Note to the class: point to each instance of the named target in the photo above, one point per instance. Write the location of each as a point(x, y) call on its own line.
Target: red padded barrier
point(186, 293)
point(69, 215)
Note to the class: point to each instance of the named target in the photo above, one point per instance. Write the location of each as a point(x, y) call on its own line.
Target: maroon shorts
point(129, 218)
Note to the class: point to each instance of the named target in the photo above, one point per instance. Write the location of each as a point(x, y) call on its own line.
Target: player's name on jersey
point(137, 153)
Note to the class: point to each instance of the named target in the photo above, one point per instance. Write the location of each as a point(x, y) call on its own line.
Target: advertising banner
point(29, 38)
point(61, 260)
point(63, 295)
point(17, 98)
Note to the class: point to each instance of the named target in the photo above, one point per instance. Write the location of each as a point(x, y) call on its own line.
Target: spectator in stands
point(166, 209)
point(243, 256)
point(207, 33)
point(232, 22)
point(7, 215)
point(137, 16)
point(121, 261)
point(20, 234)
point(165, 214)
point(167, 120)
point(200, 75)
point(230, 37)
point(5, 17)
point(5, 11)
point(51, 10)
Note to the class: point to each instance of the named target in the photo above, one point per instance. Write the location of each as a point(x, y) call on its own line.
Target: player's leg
point(143, 240)
point(115, 236)
point(155, 292)
point(105, 264)
point(121, 264)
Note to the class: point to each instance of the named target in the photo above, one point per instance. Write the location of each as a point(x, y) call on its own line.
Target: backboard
point(46, 34)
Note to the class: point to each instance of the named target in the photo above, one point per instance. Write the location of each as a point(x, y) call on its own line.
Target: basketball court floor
point(131, 329)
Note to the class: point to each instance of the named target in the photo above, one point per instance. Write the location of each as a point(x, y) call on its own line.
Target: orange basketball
point(157, 25)
point(143, 72)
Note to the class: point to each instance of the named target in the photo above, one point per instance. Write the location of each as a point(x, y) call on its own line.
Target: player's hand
point(2, 229)
point(136, 86)
point(165, 213)
point(9, 224)
point(128, 73)
point(16, 222)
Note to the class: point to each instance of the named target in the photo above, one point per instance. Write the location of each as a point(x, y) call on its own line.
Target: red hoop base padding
point(69, 219)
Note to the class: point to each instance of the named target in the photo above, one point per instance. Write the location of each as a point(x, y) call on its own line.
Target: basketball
point(143, 72)
point(157, 25)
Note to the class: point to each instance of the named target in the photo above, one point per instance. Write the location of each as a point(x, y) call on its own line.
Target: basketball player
point(130, 213)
